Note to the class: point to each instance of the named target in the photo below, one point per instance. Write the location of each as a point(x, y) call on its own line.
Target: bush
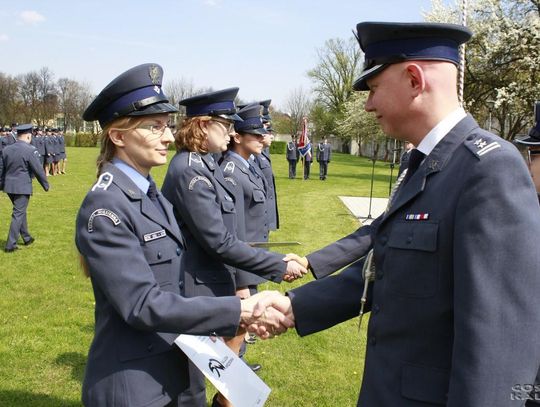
point(85, 140)
point(278, 147)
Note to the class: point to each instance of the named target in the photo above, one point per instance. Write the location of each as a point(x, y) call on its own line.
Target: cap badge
point(153, 71)
point(157, 89)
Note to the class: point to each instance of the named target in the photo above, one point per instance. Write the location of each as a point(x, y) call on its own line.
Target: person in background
point(204, 208)
point(404, 159)
point(324, 155)
point(530, 147)
point(20, 163)
point(292, 157)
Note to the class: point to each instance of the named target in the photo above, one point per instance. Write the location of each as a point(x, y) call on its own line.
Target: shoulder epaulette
point(481, 145)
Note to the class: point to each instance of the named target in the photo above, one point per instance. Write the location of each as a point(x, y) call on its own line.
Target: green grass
point(46, 305)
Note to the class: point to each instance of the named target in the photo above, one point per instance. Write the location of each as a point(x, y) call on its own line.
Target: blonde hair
point(108, 148)
point(190, 135)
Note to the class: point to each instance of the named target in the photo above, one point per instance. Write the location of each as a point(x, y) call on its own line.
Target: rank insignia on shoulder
point(195, 158)
point(154, 235)
point(198, 178)
point(102, 212)
point(103, 182)
point(231, 180)
point(229, 167)
point(481, 146)
point(417, 216)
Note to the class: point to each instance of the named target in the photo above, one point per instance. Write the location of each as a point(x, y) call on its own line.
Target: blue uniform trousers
point(19, 225)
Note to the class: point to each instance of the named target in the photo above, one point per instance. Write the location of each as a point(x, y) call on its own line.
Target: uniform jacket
point(455, 294)
point(324, 152)
point(292, 151)
point(20, 163)
point(265, 164)
point(204, 208)
point(251, 205)
point(134, 258)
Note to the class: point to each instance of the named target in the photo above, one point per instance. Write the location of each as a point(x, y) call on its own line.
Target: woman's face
point(247, 144)
point(218, 133)
point(145, 146)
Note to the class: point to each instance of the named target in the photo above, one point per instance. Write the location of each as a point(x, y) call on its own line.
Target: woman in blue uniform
point(131, 248)
point(204, 206)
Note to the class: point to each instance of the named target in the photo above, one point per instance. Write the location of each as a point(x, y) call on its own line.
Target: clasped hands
point(296, 267)
point(267, 314)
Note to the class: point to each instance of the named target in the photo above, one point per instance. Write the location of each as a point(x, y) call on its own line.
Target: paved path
point(359, 207)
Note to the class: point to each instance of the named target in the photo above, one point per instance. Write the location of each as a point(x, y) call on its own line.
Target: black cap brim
point(360, 83)
point(257, 132)
point(157, 108)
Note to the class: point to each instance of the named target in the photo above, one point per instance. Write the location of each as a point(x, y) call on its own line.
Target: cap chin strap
point(138, 105)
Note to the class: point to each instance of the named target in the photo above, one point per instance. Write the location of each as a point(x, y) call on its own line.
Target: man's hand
point(261, 317)
point(271, 300)
point(294, 257)
point(294, 271)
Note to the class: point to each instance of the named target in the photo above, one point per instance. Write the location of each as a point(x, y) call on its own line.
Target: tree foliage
point(502, 76)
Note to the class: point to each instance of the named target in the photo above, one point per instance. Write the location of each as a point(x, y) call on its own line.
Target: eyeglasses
point(156, 129)
point(228, 126)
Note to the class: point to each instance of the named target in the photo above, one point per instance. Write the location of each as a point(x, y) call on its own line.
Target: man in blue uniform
point(292, 157)
point(20, 163)
point(454, 302)
point(324, 155)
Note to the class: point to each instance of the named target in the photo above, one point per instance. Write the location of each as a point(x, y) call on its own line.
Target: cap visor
point(157, 108)
point(360, 83)
point(527, 140)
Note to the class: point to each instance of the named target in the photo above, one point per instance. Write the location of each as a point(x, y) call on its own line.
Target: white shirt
point(438, 132)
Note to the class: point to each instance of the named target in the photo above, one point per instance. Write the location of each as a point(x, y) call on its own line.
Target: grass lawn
point(46, 305)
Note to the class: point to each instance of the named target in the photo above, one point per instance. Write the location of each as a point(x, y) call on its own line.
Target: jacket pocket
point(258, 203)
point(160, 254)
point(424, 383)
point(411, 262)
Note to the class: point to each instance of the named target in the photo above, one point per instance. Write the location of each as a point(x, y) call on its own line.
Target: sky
point(263, 47)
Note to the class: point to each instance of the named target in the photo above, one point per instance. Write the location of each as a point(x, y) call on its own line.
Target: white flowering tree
point(502, 76)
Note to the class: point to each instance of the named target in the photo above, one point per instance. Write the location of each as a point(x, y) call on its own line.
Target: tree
point(360, 126)
point(9, 102)
point(502, 78)
point(73, 99)
point(297, 105)
point(336, 71)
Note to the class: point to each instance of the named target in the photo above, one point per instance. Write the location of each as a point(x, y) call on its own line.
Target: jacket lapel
point(148, 208)
point(216, 172)
point(435, 162)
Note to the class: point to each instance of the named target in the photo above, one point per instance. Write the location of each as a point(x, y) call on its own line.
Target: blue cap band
point(251, 123)
point(132, 101)
point(413, 48)
point(227, 107)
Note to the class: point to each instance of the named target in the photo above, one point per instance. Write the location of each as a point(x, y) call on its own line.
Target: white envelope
point(230, 375)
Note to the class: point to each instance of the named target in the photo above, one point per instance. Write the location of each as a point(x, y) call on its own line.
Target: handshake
point(267, 314)
point(296, 267)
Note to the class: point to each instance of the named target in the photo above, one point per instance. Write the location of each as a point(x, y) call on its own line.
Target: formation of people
point(50, 143)
point(452, 298)
point(293, 155)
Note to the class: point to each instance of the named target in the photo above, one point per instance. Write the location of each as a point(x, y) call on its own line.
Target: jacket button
point(150, 348)
point(181, 284)
point(409, 240)
point(384, 240)
point(372, 341)
point(178, 251)
point(379, 275)
point(159, 255)
point(375, 309)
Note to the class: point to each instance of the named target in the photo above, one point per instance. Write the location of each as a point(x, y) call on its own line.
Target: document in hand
point(230, 375)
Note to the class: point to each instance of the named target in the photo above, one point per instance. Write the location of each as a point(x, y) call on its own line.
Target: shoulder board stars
point(480, 146)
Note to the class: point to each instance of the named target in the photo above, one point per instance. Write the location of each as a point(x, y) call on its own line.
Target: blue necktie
point(153, 195)
point(414, 162)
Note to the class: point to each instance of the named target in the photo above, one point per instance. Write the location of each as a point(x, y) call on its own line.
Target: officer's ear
point(203, 125)
point(416, 78)
point(117, 137)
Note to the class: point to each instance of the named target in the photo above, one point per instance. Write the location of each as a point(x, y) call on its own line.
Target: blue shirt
point(140, 180)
